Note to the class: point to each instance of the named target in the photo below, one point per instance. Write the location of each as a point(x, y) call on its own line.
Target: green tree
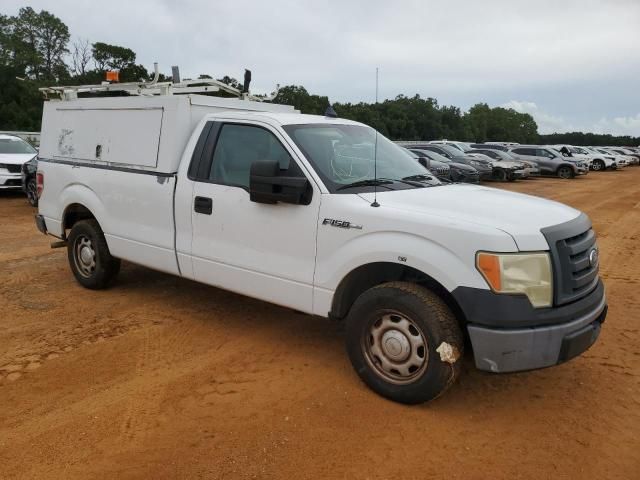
point(20, 102)
point(112, 57)
point(298, 97)
point(38, 43)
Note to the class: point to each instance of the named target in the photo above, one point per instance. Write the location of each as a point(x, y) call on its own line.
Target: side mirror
point(266, 185)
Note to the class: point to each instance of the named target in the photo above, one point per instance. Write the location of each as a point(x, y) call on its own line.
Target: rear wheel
point(598, 165)
point(32, 192)
point(89, 256)
point(404, 342)
point(565, 172)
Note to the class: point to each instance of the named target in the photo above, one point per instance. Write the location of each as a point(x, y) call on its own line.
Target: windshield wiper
point(367, 183)
point(420, 177)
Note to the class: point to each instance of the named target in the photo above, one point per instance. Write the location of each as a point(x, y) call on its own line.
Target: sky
point(572, 64)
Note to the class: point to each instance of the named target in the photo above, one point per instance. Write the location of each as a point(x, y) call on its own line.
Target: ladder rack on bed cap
point(154, 87)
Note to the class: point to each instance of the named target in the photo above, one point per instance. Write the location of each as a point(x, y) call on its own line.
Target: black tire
point(598, 165)
point(32, 192)
point(428, 321)
point(565, 172)
point(89, 256)
point(500, 174)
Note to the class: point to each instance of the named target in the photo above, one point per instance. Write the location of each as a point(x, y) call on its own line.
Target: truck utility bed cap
point(140, 132)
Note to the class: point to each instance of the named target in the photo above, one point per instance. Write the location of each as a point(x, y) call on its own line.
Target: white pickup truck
point(325, 216)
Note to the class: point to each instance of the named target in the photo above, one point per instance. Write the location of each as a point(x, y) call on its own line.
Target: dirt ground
point(160, 377)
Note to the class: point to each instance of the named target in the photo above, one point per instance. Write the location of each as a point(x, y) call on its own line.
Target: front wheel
point(89, 256)
point(598, 165)
point(500, 174)
point(565, 172)
point(404, 342)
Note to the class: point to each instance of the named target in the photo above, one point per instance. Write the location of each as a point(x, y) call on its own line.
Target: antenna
point(375, 157)
point(375, 172)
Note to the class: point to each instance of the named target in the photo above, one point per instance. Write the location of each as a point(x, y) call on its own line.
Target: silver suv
point(550, 161)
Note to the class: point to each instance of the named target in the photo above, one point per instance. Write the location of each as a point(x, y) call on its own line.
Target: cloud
point(547, 123)
point(619, 126)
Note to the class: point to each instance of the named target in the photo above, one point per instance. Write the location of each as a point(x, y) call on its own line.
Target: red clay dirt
point(160, 377)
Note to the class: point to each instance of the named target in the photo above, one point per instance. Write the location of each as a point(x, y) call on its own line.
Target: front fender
point(408, 249)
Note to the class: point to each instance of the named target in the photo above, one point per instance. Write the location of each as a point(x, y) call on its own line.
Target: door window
point(524, 151)
point(238, 146)
point(541, 152)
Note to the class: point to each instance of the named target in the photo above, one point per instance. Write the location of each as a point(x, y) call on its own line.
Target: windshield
point(344, 154)
point(15, 145)
point(432, 155)
point(454, 145)
point(452, 151)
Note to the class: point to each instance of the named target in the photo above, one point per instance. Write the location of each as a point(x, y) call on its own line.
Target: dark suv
point(458, 172)
point(483, 167)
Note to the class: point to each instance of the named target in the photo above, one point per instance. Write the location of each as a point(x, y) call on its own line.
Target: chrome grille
point(574, 255)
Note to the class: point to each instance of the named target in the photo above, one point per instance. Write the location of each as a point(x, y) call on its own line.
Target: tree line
point(36, 50)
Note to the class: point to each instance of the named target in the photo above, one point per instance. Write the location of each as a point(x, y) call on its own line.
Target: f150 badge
point(340, 223)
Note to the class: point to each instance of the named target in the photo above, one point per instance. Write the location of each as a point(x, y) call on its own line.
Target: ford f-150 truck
point(325, 216)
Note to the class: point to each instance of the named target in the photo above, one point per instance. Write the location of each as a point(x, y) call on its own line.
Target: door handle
point(203, 205)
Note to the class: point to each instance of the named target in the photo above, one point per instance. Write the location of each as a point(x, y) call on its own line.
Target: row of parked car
point(448, 160)
point(506, 161)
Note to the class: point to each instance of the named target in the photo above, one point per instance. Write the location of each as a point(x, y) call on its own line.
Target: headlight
point(476, 163)
point(526, 273)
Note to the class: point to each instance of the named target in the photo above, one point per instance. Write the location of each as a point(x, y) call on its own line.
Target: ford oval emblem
point(593, 257)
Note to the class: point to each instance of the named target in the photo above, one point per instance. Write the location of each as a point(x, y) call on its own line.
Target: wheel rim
point(32, 191)
point(564, 172)
point(395, 348)
point(597, 165)
point(84, 256)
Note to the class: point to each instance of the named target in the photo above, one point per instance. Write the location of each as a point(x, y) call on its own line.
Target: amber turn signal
point(489, 266)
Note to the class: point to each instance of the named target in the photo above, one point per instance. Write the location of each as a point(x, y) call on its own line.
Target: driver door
point(266, 251)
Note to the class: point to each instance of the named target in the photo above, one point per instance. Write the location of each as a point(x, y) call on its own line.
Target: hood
point(16, 158)
point(521, 216)
point(507, 164)
point(462, 166)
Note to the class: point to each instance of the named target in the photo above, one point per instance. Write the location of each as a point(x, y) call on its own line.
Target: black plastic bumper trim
point(485, 308)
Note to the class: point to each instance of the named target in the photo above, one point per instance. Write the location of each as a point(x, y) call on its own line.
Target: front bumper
point(486, 174)
point(466, 176)
point(10, 181)
point(541, 337)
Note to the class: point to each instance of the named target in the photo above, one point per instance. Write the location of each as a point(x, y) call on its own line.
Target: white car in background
point(634, 157)
point(14, 152)
point(621, 158)
point(575, 152)
point(601, 161)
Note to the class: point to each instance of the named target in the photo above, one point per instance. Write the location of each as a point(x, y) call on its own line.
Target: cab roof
point(287, 118)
